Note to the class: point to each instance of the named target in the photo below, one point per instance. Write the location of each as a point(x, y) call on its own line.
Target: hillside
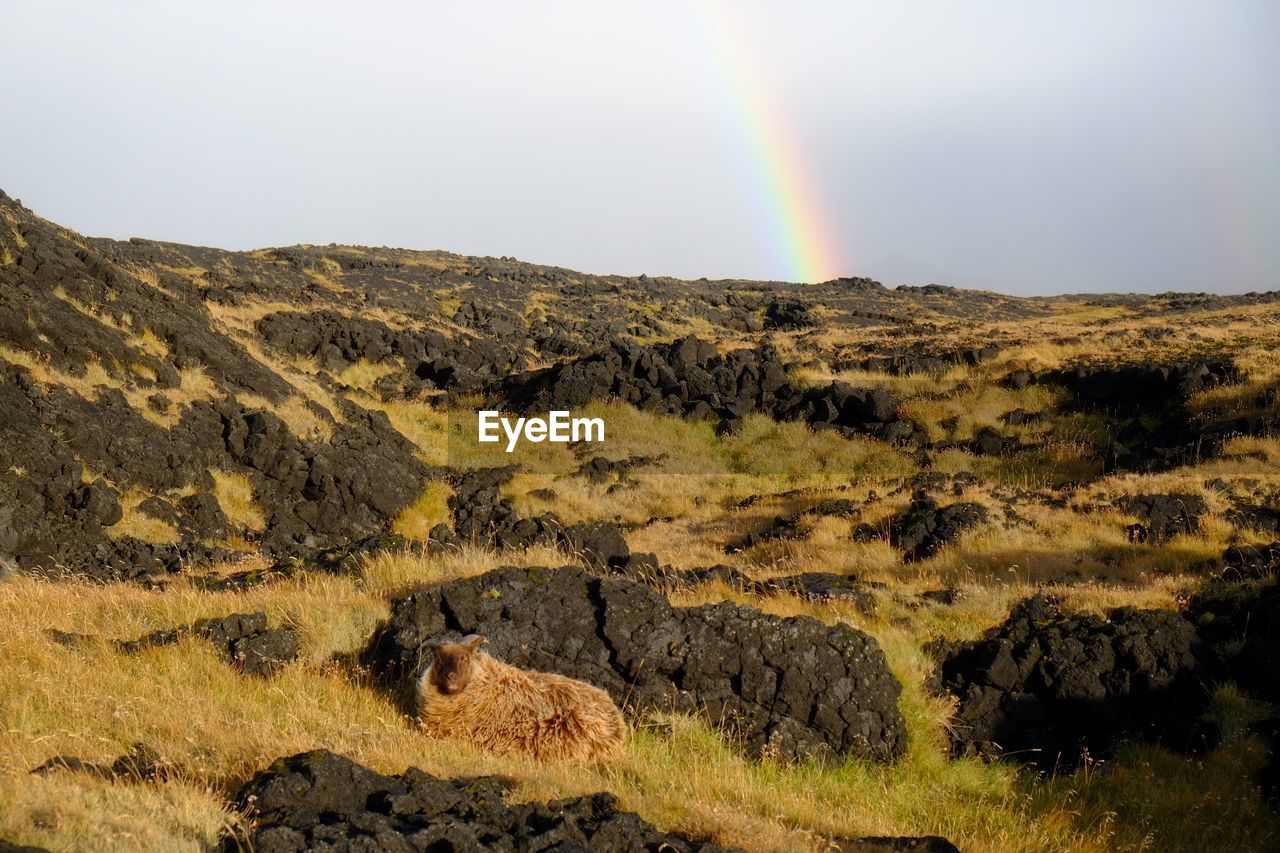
point(955, 489)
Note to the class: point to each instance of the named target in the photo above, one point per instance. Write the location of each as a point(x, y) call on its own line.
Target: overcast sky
point(1014, 146)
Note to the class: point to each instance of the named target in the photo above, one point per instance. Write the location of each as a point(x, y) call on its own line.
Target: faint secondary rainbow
point(791, 205)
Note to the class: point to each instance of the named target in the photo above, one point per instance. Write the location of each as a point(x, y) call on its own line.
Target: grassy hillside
point(126, 370)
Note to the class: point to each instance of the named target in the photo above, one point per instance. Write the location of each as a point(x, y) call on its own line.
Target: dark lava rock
point(482, 515)
point(691, 378)
point(1264, 519)
point(342, 559)
point(787, 314)
point(923, 528)
point(792, 687)
point(1153, 427)
point(825, 586)
point(1241, 562)
point(1047, 686)
point(1164, 516)
point(989, 442)
point(909, 362)
point(140, 764)
point(891, 844)
point(1022, 417)
point(336, 341)
point(240, 581)
point(318, 800)
point(600, 469)
point(1239, 624)
point(243, 637)
point(946, 596)
point(1144, 386)
point(794, 526)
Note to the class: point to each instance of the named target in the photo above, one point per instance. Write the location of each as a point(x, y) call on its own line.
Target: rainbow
point(790, 205)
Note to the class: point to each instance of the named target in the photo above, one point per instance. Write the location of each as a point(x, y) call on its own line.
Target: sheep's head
point(451, 663)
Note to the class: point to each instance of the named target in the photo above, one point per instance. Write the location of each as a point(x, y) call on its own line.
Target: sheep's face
point(451, 663)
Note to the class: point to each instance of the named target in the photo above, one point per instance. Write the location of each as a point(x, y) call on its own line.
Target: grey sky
point(1024, 147)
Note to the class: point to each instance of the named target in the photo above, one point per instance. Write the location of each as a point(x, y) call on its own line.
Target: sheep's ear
point(474, 641)
point(432, 646)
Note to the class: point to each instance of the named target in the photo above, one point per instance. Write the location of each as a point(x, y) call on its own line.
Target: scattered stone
point(244, 638)
point(945, 597)
point(482, 515)
point(690, 377)
point(141, 763)
point(825, 587)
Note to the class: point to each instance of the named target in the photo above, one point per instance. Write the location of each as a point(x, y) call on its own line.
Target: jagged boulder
point(788, 314)
point(792, 687)
point(1047, 686)
point(322, 801)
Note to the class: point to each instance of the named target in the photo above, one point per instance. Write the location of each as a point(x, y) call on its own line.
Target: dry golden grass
point(431, 508)
point(363, 375)
point(295, 410)
point(235, 495)
point(218, 727)
point(139, 525)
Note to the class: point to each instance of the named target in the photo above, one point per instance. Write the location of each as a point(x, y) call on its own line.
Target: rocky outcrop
point(788, 315)
point(1149, 386)
point(336, 341)
point(482, 515)
point(910, 362)
point(1047, 687)
point(692, 378)
point(319, 800)
point(792, 687)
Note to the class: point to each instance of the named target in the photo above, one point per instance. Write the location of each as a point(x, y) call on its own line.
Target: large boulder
point(1047, 686)
point(792, 687)
point(321, 801)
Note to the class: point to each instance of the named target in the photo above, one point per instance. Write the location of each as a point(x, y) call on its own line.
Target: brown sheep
point(464, 693)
